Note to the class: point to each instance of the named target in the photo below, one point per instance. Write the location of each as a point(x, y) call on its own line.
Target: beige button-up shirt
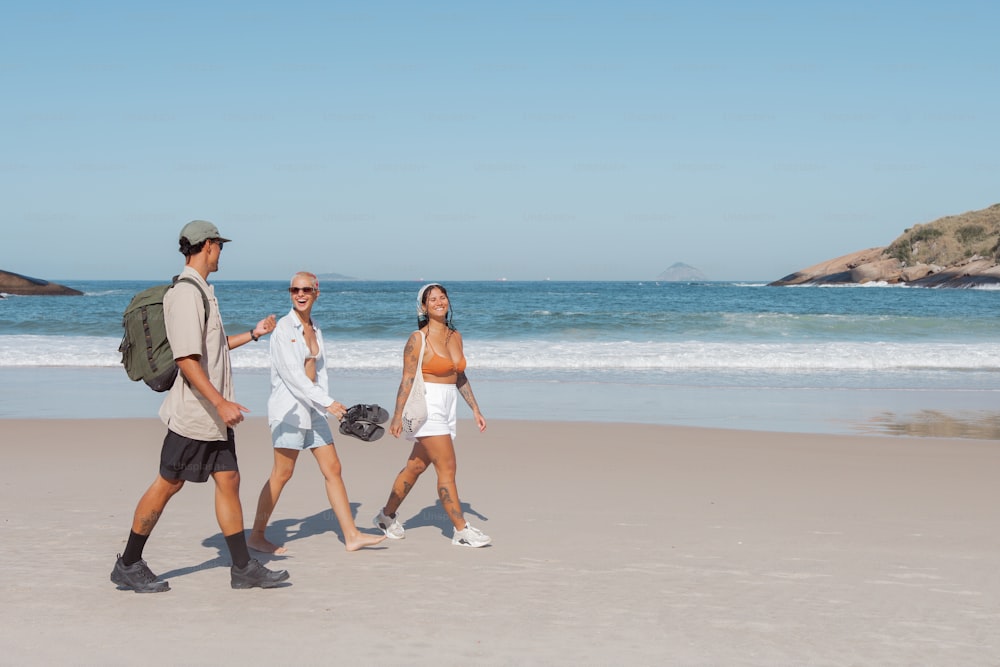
point(185, 411)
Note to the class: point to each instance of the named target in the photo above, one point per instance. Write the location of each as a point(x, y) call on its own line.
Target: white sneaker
point(470, 537)
point(391, 526)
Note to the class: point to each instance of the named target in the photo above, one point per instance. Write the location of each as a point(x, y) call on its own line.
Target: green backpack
point(146, 353)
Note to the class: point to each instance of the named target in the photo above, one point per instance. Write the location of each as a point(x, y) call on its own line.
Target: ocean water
point(871, 359)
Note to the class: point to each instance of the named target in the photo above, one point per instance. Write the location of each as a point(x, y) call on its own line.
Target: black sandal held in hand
point(362, 430)
point(366, 413)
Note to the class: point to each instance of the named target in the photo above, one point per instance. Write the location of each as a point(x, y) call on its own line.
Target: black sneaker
point(255, 574)
point(138, 577)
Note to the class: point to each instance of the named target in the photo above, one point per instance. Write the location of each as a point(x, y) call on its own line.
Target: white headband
point(420, 297)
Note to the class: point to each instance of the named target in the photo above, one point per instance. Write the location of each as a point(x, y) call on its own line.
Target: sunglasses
point(218, 243)
point(304, 290)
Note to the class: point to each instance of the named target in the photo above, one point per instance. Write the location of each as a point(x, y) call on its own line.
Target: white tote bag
point(415, 408)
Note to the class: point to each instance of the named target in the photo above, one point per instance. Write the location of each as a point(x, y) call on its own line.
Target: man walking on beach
point(200, 414)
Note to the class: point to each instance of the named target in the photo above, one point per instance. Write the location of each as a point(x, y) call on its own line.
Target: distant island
point(953, 251)
point(15, 283)
point(333, 276)
point(680, 272)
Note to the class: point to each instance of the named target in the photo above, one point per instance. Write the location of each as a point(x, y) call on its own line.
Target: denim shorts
point(289, 436)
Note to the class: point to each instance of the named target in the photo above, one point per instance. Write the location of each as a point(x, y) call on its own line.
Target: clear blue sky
point(467, 141)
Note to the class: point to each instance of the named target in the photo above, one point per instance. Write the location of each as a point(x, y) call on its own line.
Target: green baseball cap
point(197, 231)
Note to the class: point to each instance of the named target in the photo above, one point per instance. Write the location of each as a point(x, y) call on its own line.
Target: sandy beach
point(613, 544)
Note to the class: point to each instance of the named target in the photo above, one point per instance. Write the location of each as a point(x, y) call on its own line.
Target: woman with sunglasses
point(296, 412)
point(443, 370)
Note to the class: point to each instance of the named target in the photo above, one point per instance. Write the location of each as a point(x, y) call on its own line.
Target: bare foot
point(262, 545)
point(362, 540)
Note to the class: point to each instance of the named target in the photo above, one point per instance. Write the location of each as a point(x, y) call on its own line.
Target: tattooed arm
point(465, 389)
point(411, 354)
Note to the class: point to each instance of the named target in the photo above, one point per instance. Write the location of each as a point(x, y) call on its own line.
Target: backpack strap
point(204, 297)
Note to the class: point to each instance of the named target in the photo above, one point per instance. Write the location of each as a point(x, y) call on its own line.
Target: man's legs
point(130, 571)
point(147, 513)
point(246, 572)
point(229, 514)
point(284, 466)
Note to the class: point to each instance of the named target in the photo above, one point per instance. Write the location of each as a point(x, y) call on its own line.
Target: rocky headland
point(15, 283)
point(954, 251)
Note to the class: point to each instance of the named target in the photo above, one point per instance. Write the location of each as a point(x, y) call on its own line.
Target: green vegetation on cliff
point(950, 240)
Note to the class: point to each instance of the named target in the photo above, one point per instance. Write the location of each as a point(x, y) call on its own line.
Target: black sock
point(133, 548)
point(237, 544)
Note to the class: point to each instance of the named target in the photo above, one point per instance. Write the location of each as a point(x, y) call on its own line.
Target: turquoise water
point(742, 355)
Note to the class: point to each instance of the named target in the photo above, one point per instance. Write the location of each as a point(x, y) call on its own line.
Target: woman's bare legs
point(336, 492)
point(284, 466)
point(439, 451)
point(407, 477)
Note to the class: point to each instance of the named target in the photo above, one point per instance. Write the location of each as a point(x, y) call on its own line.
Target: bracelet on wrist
point(254, 337)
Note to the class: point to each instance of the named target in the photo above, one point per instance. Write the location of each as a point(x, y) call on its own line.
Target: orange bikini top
point(435, 364)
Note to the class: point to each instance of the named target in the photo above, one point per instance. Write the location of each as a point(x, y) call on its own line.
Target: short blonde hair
point(311, 277)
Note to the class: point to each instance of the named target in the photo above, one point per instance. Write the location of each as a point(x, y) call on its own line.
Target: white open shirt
point(295, 399)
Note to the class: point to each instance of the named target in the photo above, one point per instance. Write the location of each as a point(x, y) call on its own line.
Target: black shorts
point(196, 460)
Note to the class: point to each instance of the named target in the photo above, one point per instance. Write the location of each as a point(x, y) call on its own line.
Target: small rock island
point(681, 272)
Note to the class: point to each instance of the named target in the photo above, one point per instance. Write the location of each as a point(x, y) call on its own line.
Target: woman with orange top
point(444, 376)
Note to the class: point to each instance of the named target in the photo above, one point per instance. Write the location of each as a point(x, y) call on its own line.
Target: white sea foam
point(540, 356)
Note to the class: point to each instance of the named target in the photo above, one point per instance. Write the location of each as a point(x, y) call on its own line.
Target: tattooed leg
point(146, 523)
point(400, 489)
point(407, 477)
point(152, 504)
point(442, 452)
point(452, 507)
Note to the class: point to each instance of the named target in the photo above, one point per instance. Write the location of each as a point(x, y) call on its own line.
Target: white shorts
point(442, 411)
